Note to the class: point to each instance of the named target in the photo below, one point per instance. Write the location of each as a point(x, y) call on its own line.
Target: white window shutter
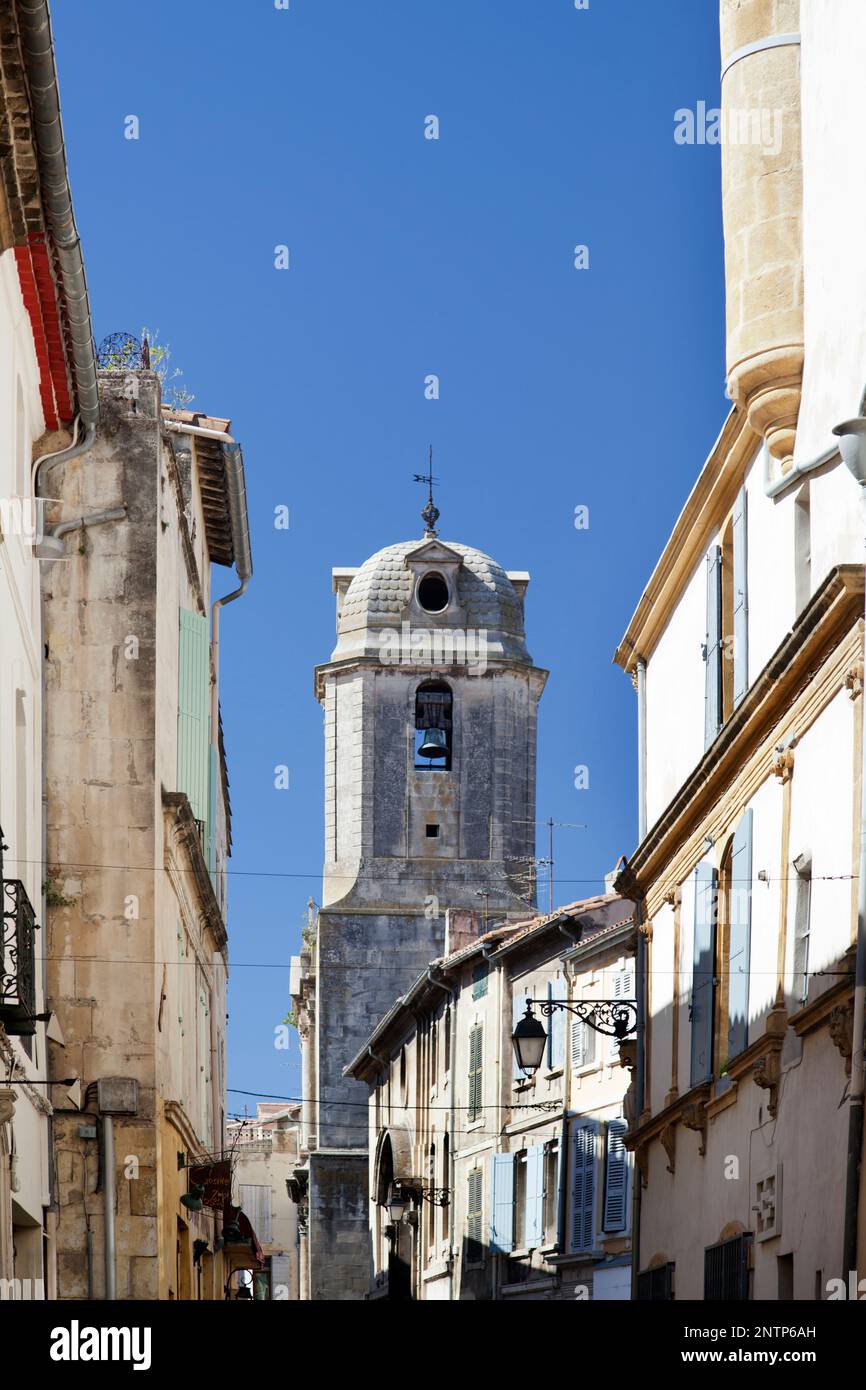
point(577, 1042)
point(502, 1205)
point(534, 1222)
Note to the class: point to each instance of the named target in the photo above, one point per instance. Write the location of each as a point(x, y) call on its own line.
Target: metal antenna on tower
point(430, 514)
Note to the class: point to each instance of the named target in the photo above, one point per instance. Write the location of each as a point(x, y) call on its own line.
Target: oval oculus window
point(433, 593)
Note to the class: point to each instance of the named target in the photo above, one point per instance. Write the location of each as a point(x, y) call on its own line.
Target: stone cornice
point(186, 834)
point(708, 504)
point(821, 627)
point(494, 666)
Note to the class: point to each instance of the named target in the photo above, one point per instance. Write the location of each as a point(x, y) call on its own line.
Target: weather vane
point(430, 514)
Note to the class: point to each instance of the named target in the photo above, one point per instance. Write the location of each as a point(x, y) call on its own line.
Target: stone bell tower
point(430, 701)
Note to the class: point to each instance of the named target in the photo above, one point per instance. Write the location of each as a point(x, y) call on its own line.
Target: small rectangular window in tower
point(432, 832)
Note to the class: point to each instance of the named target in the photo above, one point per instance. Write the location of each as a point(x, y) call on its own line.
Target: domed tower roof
point(430, 584)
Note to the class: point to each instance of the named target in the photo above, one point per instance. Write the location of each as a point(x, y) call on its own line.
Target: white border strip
point(776, 41)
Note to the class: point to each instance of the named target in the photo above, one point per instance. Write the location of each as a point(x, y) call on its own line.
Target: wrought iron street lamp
point(615, 1018)
point(397, 1204)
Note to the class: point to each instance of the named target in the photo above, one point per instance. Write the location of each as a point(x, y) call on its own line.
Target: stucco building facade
point(138, 827)
point(47, 382)
point(747, 652)
point(515, 1187)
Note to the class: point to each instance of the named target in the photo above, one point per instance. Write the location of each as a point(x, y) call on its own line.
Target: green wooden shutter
point(583, 1159)
point(713, 648)
point(213, 769)
point(533, 1224)
point(193, 713)
point(741, 600)
point(474, 1216)
point(703, 973)
point(502, 1206)
point(740, 937)
point(476, 1062)
point(615, 1177)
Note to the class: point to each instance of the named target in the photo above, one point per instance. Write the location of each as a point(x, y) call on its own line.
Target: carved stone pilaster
point(783, 764)
point(767, 1073)
point(641, 1157)
point(694, 1116)
point(854, 680)
point(668, 1139)
point(7, 1104)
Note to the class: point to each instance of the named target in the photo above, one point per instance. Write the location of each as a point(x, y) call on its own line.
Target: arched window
point(433, 726)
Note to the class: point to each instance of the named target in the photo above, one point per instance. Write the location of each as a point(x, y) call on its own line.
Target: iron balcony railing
point(17, 960)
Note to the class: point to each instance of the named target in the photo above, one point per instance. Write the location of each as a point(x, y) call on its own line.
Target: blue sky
point(601, 387)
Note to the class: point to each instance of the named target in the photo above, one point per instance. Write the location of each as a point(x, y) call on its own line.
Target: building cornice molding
point(792, 670)
point(495, 666)
point(707, 506)
point(185, 832)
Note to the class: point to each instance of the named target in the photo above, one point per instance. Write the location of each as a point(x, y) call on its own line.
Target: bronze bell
point(434, 744)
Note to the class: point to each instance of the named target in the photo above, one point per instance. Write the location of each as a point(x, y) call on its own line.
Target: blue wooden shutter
point(193, 712)
point(713, 650)
point(703, 973)
point(741, 600)
point(534, 1222)
point(502, 1205)
point(615, 1177)
point(556, 990)
point(740, 937)
point(583, 1158)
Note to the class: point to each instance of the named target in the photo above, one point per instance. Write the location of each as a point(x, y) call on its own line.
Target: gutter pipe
point(800, 470)
point(108, 1193)
point(38, 49)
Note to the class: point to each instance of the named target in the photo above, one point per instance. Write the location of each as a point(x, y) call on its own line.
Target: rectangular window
point(476, 1062)
point(431, 831)
point(656, 1285)
point(557, 991)
point(551, 1193)
point(583, 1184)
point(583, 1044)
point(703, 1002)
point(615, 1177)
point(193, 714)
point(713, 647)
point(518, 1009)
point(479, 980)
point(519, 1162)
point(738, 964)
point(740, 654)
point(802, 927)
point(726, 1270)
point(475, 1217)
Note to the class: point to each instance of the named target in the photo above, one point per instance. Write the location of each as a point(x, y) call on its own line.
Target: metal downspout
point(108, 1193)
point(640, 968)
point(853, 1173)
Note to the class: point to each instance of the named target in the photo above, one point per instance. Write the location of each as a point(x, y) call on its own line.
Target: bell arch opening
point(434, 724)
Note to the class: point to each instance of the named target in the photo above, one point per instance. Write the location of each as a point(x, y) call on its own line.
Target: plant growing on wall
point(176, 397)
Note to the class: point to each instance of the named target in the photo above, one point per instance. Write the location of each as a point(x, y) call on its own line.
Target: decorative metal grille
point(17, 966)
point(726, 1269)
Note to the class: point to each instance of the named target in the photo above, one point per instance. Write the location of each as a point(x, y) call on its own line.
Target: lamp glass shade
point(397, 1204)
point(529, 1039)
